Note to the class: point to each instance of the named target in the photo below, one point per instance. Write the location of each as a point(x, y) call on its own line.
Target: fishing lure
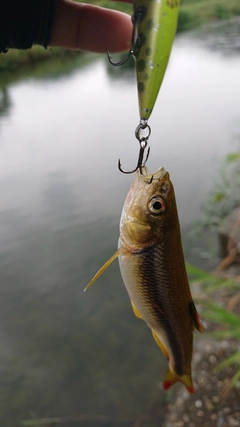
point(154, 27)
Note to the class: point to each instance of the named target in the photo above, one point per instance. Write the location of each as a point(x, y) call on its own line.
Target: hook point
point(116, 64)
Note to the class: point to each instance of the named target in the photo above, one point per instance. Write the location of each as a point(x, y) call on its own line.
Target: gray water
point(64, 353)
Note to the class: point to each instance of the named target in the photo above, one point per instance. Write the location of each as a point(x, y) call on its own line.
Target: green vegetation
point(217, 296)
point(226, 324)
point(38, 63)
point(17, 60)
point(195, 13)
point(224, 196)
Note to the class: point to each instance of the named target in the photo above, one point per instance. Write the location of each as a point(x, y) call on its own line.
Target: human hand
point(90, 28)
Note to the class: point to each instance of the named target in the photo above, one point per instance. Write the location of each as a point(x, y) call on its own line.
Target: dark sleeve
point(24, 23)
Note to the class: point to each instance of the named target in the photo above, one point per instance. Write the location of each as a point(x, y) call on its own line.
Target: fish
point(154, 28)
point(153, 269)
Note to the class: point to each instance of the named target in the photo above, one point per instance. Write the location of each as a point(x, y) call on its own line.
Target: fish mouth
point(159, 174)
point(135, 220)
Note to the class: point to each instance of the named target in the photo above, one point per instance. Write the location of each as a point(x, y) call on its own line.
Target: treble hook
point(140, 163)
point(131, 50)
point(143, 141)
point(116, 64)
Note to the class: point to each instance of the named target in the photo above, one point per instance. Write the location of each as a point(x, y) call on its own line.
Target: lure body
point(155, 23)
point(153, 270)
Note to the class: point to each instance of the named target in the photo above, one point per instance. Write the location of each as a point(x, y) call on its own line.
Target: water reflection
point(64, 352)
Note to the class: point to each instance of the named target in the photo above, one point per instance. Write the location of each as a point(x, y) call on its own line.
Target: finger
point(90, 28)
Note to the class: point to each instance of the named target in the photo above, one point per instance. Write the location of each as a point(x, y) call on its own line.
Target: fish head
point(149, 210)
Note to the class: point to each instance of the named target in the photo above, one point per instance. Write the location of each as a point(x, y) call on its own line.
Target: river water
point(64, 353)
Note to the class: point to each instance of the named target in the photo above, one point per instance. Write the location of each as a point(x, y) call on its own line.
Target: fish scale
point(155, 294)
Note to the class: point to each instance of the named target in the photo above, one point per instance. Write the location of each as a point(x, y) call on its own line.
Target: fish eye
point(157, 205)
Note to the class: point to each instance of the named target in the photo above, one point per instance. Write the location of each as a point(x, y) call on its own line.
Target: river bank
point(215, 367)
point(195, 14)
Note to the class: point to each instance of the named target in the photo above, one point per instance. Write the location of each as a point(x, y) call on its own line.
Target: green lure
point(155, 23)
point(154, 28)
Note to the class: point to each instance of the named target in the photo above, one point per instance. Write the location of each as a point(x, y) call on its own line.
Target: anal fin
point(135, 311)
point(160, 344)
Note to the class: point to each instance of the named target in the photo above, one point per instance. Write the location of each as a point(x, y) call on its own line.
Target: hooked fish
point(153, 270)
point(154, 27)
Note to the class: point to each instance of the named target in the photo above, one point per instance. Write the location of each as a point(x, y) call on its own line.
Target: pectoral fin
point(160, 344)
point(104, 267)
point(135, 311)
point(171, 378)
point(196, 318)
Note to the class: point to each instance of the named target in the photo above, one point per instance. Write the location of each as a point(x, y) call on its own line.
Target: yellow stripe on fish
point(153, 270)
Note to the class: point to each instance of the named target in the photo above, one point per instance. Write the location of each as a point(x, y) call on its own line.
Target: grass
point(227, 323)
point(224, 196)
point(194, 14)
point(223, 199)
point(50, 65)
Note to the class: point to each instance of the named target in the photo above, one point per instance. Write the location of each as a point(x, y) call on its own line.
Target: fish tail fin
point(172, 377)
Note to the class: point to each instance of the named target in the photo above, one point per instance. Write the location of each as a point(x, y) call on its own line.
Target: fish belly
point(153, 302)
point(132, 278)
